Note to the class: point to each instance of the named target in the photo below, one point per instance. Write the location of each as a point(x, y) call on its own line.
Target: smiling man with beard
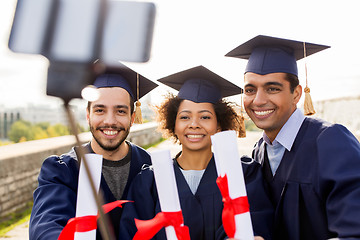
point(110, 118)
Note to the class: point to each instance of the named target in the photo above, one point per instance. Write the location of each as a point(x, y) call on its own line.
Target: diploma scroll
point(228, 165)
point(166, 185)
point(86, 204)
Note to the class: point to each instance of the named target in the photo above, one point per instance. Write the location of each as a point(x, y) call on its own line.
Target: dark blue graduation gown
point(320, 197)
point(55, 197)
point(201, 212)
point(261, 208)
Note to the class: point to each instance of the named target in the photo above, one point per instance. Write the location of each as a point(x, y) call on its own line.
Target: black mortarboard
point(122, 76)
point(199, 84)
point(269, 54)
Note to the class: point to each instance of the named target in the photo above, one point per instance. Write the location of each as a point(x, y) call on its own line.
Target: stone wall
point(20, 163)
point(345, 111)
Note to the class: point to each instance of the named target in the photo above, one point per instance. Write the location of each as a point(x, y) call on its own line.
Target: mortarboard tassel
point(308, 105)
point(242, 130)
point(138, 115)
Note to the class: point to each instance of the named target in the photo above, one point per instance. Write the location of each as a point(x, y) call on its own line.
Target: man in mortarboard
point(110, 118)
point(311, 167)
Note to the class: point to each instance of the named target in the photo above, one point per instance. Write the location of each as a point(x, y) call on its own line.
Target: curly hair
point(226, 115)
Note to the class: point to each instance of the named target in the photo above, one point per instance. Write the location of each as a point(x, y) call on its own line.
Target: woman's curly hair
point(166, 113)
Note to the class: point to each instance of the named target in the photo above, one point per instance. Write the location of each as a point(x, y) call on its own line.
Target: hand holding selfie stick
point(71, 43)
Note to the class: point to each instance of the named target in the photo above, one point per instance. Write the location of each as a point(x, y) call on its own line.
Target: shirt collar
point(288, 132)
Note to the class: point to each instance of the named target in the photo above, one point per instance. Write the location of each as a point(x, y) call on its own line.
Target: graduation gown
point(202, 211)
point(316, 188)
point(55, 197)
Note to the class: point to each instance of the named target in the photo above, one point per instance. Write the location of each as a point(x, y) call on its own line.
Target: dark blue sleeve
point(261, 208)
point(145, 206)
point(339, 180)
point(139, 158)
point(54, 198)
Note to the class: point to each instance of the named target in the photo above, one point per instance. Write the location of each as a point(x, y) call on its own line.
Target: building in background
point(146, 108)
point(37, 114)
point(7, 118)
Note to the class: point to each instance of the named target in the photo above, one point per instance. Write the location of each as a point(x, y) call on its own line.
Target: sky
point(188, 33)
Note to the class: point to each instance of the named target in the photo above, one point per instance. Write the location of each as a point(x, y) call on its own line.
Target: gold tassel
point(138, 116)
point(308, 105)
point(242, 130)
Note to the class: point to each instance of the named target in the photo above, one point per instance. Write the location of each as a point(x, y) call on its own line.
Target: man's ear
point(88, 116)
point(297, 93)
point(132, 119)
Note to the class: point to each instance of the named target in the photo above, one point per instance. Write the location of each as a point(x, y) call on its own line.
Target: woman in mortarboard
point(191, 117)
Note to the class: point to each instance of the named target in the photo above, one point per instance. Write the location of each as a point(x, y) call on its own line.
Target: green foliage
point(39, 133)
point(81, 128)
point(43, 125)
point(57, 130)
point(153, 144)
point(21, 131)
point(14, 219)
point(2, 143)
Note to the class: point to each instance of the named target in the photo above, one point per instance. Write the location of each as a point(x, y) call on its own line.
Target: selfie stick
point(71, 43)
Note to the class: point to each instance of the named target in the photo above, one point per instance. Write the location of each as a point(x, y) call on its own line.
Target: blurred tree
point(81, 128)
point(22, 139)
point(57, 130)
point(20, 129)
point(39, 132)
point(43, 125)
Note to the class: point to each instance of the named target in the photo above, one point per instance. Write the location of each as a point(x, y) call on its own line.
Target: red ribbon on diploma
point(86, 223)
point(148, 228)
point(232, 207)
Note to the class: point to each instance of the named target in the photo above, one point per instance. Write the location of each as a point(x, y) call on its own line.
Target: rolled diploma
point(86, 204)
point(166, 185)
point(228, 162)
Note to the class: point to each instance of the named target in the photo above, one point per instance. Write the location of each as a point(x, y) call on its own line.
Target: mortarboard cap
point(122, 76)
point(269, 54)
point(199, 84)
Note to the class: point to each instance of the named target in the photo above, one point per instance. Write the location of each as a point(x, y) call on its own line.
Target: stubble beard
point(109, 147)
